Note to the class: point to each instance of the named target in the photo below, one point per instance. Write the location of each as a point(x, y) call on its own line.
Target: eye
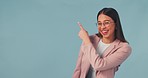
point(106, 22)
point(99, 23)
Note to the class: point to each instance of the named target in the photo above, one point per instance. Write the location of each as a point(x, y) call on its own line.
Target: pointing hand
point(83, 34)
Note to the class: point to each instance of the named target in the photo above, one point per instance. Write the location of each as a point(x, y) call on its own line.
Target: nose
point(103, 26)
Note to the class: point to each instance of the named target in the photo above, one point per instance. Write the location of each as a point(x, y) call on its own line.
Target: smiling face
point(106, 27)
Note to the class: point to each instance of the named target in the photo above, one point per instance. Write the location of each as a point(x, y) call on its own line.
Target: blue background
point(38, 38)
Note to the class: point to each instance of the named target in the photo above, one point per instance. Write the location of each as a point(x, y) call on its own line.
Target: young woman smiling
point(101, 54)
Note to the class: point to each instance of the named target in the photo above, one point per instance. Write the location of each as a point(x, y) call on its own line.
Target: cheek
point(99, 28)
point(112, 30)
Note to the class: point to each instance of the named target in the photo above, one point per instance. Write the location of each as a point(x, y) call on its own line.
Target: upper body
point(105, 66)
point(110, 32)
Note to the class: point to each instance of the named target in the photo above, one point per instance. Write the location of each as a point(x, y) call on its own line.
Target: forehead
point(103, 17)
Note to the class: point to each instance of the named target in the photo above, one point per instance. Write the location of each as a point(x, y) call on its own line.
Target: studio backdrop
point(39, 38)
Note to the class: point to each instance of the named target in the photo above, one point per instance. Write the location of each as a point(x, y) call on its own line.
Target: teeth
point(104, 31)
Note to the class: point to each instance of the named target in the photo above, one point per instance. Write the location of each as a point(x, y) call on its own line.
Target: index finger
point(81, 27)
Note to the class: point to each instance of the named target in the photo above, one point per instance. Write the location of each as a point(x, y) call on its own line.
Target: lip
point(104, 32)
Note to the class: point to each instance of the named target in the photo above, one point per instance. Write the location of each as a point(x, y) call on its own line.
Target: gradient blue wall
point(38, 38)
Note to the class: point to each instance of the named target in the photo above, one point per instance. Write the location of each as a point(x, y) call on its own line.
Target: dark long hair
point(112, 13)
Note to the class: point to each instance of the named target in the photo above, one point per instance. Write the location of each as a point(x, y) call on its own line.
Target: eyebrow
point(104, 20)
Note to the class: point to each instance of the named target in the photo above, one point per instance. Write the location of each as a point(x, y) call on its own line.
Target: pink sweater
point(105, 66)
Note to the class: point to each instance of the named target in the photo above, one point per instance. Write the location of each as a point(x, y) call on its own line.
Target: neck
point(108, 40)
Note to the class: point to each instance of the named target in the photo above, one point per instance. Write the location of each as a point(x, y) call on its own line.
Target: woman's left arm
point(108, 62)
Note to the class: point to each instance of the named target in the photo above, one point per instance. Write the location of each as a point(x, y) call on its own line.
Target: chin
point(105, 36)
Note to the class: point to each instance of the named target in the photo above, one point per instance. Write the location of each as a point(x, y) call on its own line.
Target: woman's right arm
point(77, 71)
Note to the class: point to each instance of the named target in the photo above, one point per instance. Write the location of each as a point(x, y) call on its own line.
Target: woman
point(101, 54)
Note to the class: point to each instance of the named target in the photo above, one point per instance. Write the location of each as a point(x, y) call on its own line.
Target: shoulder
point(94, 37)
point(125, 46)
